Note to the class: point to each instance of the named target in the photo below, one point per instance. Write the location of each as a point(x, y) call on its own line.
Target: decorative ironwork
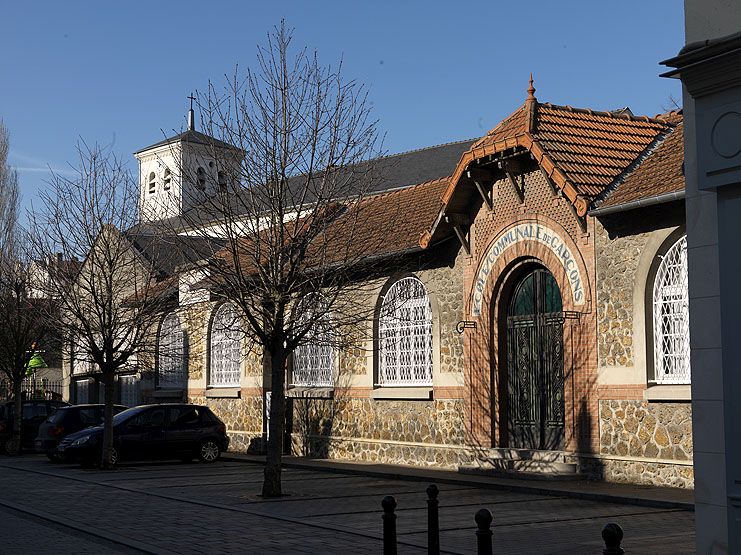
point(535, 363)
point(464, 325)
point(671, 317)
point(405, 335)
point(313, 360)
point(172, 365)
point(225, 348)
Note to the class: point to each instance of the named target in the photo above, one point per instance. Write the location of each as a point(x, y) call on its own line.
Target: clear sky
point(119, 72)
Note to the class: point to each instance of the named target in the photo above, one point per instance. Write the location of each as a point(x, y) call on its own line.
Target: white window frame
point(405, 346)
point(670, 309)
point(225, 353)
point(172, 364)
point(314, 359)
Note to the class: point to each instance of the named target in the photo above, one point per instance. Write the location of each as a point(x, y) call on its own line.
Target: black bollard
point(433, 522)
point(483, 533)
point(389, 525)
point(612, 534)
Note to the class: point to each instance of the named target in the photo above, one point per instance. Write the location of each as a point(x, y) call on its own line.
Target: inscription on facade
point(518, 234)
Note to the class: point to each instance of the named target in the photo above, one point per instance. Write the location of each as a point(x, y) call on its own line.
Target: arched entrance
point(534, 401)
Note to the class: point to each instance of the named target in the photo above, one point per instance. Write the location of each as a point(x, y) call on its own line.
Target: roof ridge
point(611, 115)
point(420, 149)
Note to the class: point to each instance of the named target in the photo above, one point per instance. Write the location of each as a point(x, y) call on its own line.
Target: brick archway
point(483, 343)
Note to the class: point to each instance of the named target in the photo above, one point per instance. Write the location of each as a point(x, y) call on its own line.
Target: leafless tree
point(23, 317)
point(109, 302)
point(287, 202)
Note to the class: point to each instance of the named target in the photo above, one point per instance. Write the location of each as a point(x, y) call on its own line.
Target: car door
point(143, 435)
point(183, 430)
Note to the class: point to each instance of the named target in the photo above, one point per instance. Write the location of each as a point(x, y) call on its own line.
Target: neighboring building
point(532, 318)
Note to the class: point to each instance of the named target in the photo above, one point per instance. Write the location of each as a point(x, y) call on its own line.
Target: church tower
point(182, 171)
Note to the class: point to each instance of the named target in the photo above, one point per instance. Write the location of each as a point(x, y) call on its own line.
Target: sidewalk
point(641, 495)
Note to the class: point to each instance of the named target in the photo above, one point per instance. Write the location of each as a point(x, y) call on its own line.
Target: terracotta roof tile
point(660, 173)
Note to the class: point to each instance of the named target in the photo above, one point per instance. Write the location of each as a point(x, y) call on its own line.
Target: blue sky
point(119, 73)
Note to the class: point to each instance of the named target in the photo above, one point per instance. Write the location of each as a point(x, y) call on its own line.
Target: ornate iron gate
point(535, 364)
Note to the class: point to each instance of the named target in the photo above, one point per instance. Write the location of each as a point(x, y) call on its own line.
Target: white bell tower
point(181, 171)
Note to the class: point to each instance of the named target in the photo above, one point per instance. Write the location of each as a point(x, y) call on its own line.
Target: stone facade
point(650, 430)
point(617, 260)
point(243, 419)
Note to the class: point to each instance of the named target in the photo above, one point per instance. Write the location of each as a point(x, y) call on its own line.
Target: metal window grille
point(225, 348)
point(671, 317)
point(313, 361)
point(405, 335)
point(171, 362)
point(129, 388)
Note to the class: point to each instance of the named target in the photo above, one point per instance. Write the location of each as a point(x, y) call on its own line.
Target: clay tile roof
point(582, 151)
point(660, 173)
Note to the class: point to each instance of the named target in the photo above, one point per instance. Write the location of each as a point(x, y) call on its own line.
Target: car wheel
point(208, 451)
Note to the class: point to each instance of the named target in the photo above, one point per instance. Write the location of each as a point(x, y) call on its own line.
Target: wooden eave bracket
point(457, 221)
point(482, 179)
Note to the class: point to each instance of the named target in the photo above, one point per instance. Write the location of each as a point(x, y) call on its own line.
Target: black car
point(163, 431)
point(35, 411)
point(67, 420)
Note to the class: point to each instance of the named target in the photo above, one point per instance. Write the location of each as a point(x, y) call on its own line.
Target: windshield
point(123, 416)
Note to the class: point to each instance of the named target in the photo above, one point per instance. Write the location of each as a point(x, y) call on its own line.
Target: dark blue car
point(165, 431)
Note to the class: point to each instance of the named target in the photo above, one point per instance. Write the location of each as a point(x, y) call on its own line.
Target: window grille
point(152, 183)
point(405, 335)
point(172, 365)
point(313, 361)
point(671, 317)
point(129, 389)
point(225, 348)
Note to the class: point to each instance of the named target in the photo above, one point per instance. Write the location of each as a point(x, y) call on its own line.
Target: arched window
point(225, 348)
point(405, 335)
point(152, 183)
point(671, 317)
point(313, 360)
point(172, 366)
point(167, 180)
point(201, 175)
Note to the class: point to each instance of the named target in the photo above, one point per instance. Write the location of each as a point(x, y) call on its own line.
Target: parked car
point(163, 431)
point(67, 420)
point(35, 411)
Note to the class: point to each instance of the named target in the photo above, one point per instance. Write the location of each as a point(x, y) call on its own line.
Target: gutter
point(640, 203)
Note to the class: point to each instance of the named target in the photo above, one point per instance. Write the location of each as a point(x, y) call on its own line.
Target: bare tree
point(23, 317)
point(287, 202)
point(110, 302)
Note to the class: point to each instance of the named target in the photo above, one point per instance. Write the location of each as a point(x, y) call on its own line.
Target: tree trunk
point(13, 446)
point(271, 486)
point(108, 384)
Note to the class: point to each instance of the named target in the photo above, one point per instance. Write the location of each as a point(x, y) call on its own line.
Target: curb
point(411, 474)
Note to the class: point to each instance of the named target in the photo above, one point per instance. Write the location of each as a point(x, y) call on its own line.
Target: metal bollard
point(433, 521)
point(483, 533)
point(612, 535)
point(389, 525)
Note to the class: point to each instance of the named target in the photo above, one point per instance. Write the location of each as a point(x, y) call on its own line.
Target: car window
point(58, 416)
point(153, 418)
point(34, 410)
point(90, 417)
point(184, 416)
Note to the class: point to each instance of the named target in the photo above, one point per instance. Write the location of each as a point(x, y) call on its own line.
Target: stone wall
point(658, 433)
point(391, 431)
point(617, 261)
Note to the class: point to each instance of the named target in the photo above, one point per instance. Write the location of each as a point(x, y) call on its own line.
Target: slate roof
point(660, 173)
point(189, 136)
